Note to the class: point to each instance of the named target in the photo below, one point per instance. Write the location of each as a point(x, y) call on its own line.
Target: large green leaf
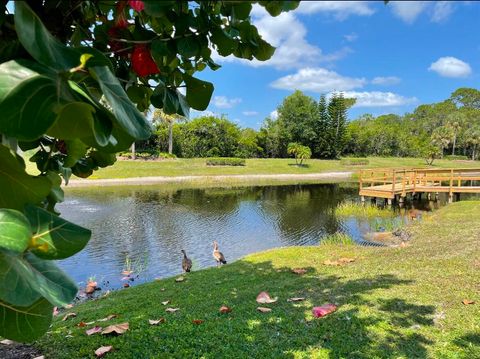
point(76, 149)
point(126, 114)
point(188, 46)
point(15, 231)
point(27, 101)
point(25, 324)
point(53, 236)
point(26, 278)
point(17, 187)
point(264, 50)
point(199, 92)
point(39, 43)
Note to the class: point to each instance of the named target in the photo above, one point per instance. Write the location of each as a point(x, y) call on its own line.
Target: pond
point(145, 228)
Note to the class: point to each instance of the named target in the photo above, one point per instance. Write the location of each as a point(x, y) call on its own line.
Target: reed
point(352, 209)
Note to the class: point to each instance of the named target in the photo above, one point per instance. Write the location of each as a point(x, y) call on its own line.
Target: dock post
point(429, 196)
point(362, 198)
point(436, 196)
point(450, 198)
point(389, 201)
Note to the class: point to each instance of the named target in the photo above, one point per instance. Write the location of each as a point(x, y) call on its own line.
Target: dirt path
point(211, 179)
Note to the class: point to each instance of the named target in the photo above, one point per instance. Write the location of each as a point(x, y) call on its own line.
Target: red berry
point(142, 62)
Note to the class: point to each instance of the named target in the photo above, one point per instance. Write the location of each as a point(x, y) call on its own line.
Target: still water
point(146, 227)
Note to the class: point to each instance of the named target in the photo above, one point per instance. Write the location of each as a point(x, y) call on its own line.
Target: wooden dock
point(398, 183)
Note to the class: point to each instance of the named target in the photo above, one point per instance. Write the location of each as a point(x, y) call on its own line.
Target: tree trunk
point(132, 149)
point(474, 152)
point(170, 137)
point(453, 147)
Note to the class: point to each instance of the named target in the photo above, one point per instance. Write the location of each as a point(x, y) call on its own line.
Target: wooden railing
point(411, 180)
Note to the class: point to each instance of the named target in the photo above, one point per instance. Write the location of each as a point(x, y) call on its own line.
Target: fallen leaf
point(329, 262)
point(264, 310)
point(346, 260)
point(7, 342)
point(172, 310)
point(68, 316)
point(125, 278)
point(68, 306)
point(89, 289)
point(126, 285)
point(468, 301)
point(179, 279)
point(127, 272)
point(296, 299)
point(111, 316)
point(40, 357)
point(116, 329)
point(157, 321)
point(323, 310)
point(55, 310)
point(166, 302)
point(197, 321)
point(264, 298)
point(299, 271)
point(162, 289)
point(82, 324)
point(93, 330)
point(89, 323)
point(100, 352)
point(225, 309)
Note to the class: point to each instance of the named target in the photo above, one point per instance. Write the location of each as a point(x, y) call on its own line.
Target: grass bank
point(401, 302)
point(197, 167)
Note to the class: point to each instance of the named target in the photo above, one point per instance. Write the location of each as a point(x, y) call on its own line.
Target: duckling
point(219, 257)
point(186, 262)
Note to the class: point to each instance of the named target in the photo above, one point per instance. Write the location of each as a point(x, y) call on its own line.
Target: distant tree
point(248, 144)
point(160, 115)
point(466, 97)
point(300, 152)
point(321, 121)
point(473, 139)
point(336, 128)
point(456, 122)
point(442, 137)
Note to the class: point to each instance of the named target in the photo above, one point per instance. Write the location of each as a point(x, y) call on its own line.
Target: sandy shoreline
point(212, 179)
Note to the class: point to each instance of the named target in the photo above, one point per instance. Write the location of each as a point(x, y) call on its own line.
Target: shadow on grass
point(365, 325)
point(303, 165)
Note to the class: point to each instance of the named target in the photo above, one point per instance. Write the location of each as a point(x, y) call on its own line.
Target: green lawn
point(197, 166)
point(401, 302)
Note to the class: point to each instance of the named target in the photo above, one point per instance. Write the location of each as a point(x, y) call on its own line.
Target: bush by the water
point(354, 161)
point(352, 209)
point(225, 161)
point(337, 238)
point(456, 157)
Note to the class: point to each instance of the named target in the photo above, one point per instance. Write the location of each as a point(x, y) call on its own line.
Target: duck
point(186, 262)
point(219, 257)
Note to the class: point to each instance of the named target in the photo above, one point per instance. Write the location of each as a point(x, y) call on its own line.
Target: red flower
point(121, 20)
point(120, 48)
point(142, 62)
point(137, 5)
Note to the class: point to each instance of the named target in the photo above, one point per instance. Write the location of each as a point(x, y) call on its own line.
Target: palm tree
point(159, 115)
point(455, 121)
point(473, 139)
point(441, 137)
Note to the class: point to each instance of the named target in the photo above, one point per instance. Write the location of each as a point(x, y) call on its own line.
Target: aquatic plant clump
point(352, 209)
point(337, 238)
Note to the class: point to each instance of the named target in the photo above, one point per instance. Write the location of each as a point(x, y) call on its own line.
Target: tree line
point(449, 127)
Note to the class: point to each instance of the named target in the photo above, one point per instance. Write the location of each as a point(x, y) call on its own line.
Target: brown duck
point(186, 262)
point(219, 257)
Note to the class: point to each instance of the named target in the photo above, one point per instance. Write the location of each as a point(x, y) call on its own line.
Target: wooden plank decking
point(391, 183)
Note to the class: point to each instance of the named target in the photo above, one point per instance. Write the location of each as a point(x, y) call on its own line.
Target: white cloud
point(250, 113)
point(339, 9)
point(377, 99)
point(195, 113)
point(274, 115)
point(449, 66)
point(318, 80)
point(225, 102)
point(442, 11)
point(408, 11)
point(386, 80)
point(351, 37)
point(288, 35)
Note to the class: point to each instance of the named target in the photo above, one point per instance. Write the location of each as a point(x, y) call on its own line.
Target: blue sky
point(391, 57)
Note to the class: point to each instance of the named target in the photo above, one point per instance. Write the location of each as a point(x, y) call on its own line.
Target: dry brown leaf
point(126, 285)
point(100, 352)
point(55, 311)
point(296, 299)
point(68, 306)
point(127, 272)
point(346, 260)
point(299, 271)
point(264, 309)
point(264, 298)
point(329, 262)
point(468, 301)
point(171, 310)
point(7, 342)
point(225, 309)
point(82, 324)
point(68, 316)
point(93, 330)
point(157, 321)
point(111, 316)
point(166, 302)
point(179, 279)
point(116, 329)
point(197, 321)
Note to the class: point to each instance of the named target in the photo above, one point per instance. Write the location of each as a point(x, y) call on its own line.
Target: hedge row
point(225, 161)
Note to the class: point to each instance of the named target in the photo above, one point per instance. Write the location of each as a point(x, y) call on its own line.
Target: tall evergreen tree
point(337, 120)
point(320, 146)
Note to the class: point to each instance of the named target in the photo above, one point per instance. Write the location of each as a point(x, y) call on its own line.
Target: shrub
point(456, 157)
point(225, 161)
point(337, 238)
point(354, 161)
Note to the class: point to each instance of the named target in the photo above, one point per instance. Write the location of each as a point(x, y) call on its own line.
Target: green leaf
point(188, 47)
point(170, 101)
point(54, 237)
point(157, 8)
point(126, 114)
point(199, 92)
point(76, 149)
point(39, 43)
point(26, 278)
point(19, 188)
point(25, 324)
point(27, 101)
point(275, 8)
point(75, 120)
point(103, 159)
point(15, 230)
point(183, 108)
point(264, 50)
point(225, 44)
